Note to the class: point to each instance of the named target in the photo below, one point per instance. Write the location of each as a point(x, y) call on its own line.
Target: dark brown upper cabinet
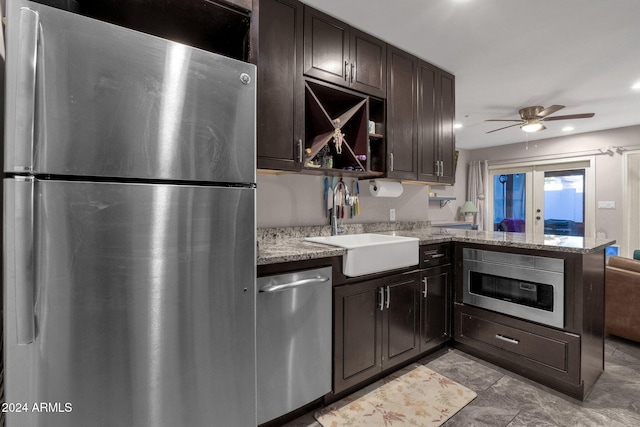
point(447, 141)
point(435, 119)
point(420, 116)
point(339, 54)
point(277, 51)
point(220, 26)
point(402, 83)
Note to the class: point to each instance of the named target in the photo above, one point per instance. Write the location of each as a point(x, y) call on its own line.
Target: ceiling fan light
point(532, 126)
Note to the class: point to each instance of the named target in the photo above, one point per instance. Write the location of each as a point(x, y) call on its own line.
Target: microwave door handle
point(25, 90)
point(24, 262)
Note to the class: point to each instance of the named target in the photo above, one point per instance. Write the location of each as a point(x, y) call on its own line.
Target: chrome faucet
point(334, 217)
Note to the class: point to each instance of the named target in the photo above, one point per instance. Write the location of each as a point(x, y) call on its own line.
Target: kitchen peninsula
point(568, 357)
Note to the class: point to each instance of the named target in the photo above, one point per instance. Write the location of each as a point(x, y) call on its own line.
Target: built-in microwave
point(526, 286)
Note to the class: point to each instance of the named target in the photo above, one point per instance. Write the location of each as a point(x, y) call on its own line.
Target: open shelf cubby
point(330, 110)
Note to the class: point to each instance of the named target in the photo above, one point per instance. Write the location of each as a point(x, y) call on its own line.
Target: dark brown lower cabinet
point(376, 327)
point(435, 307)
point(545, 355)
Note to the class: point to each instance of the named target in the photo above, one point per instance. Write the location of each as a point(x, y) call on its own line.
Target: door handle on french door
point(24, 259)
point(25, 95)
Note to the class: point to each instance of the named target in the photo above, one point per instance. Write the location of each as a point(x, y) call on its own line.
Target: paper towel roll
point(385, 188)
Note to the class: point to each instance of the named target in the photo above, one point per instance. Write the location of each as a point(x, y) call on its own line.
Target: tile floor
point(506, 399)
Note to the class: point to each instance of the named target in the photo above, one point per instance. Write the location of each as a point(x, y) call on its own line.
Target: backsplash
point(269, 235)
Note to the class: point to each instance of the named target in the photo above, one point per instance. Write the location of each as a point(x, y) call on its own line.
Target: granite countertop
point(286, 244)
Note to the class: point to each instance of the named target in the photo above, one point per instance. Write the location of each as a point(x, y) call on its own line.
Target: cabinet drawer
point(546, 350)
point(434, 255)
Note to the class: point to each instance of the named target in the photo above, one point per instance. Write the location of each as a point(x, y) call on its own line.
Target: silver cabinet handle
point(300, 150)
point(25, 90)
point(346, 71)
point(433, 254)
point(353, 72)
point(381, 299)
point(24, 262)
point(507, 339)
point(388, 296)
point(424, 292)
point(279, 287)
point(391, 162)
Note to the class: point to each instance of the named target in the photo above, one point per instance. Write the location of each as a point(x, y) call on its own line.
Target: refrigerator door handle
point(25, 90)
point(24, 260)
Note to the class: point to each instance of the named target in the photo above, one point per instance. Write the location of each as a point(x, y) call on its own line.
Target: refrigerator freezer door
point(143, 303)
point(109, 101)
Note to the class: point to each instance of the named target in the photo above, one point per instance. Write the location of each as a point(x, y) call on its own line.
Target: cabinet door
point(427, 122)
point(401, 330)
point(357, 333)
point(368, 64)
point(447, 143)
point(401, 114)
point(435, 310)
point(280, 86)
point(326, 47)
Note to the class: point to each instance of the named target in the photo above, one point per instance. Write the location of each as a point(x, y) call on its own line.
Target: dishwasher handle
point(279, 287)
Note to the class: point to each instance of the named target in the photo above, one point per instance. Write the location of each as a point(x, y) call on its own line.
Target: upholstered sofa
point(622, 298)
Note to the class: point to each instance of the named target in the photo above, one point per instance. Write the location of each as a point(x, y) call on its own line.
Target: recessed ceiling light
point(636, 86)
point(457, 125)
point(567, 129)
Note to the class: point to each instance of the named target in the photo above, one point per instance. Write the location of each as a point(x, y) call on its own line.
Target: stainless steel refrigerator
point(129, 228)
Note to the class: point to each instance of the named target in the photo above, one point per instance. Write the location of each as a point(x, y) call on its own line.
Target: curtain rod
point(610, 151)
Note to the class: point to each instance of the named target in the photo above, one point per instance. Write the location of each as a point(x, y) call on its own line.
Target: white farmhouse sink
point(372, 253)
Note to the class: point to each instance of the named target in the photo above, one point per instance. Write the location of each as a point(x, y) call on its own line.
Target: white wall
point(297, 200)
point(609, 174)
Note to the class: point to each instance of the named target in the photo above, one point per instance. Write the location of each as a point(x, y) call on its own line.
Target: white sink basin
point(373, 253)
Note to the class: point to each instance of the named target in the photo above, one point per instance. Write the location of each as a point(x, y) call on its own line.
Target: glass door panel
point(510, 202)
point(563, 210)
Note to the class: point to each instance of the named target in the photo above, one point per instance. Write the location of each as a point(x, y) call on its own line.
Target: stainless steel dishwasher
point(294, 340)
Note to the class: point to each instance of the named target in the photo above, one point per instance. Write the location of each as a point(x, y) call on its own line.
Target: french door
point(545, 198)
point(631, 191)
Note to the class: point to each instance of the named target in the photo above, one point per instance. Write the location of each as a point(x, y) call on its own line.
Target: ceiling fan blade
point(510, 126)
point(549, 110)
point(504, 120)
point(569, 116)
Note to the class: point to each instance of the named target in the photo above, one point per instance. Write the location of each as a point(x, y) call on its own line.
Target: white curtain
point(477, 190)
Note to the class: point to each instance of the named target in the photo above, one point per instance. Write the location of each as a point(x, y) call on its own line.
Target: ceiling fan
point(532, 118)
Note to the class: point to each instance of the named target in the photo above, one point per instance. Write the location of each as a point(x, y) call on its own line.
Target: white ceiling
point(509, 54)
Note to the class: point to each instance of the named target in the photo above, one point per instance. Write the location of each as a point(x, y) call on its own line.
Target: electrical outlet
point(392, 214)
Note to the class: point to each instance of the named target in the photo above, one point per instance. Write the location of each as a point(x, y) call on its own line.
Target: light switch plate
point(606, 205)
point(392, 214)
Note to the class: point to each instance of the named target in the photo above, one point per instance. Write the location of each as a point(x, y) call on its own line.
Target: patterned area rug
point(412, 396)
